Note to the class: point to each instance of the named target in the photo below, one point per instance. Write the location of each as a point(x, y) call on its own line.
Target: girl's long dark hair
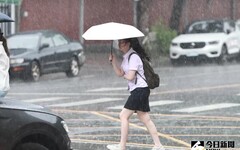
point(3, 39)
point(136, 46)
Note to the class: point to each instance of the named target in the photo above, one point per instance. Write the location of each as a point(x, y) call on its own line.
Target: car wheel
point(224, 55)
point(34, 72)
point(31, 146)
point(74, 68)
point(238, 57)
point(174, 62)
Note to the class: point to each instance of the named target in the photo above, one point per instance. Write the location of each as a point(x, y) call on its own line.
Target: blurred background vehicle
point(207, 39)
point(34, 53)
point(25, 126)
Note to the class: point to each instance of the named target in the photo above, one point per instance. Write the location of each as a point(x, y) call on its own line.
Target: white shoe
point(114, 147)
point(158, 148)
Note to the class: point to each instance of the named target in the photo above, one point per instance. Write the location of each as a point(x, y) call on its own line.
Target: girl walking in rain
point(138, 101)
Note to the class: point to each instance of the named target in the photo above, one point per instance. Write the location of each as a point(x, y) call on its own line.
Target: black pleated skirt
point(138, 100)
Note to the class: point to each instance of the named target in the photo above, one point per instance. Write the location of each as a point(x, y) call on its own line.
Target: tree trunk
point(143, 15)
point(233, 9)
point(176, 14)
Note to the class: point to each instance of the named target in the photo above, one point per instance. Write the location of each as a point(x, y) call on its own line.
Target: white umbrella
point(111, 31)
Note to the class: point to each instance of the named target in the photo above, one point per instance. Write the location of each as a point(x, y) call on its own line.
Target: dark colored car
point(34, 53)
point(25, 126)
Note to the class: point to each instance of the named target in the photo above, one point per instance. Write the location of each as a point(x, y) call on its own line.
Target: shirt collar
point(128, 53)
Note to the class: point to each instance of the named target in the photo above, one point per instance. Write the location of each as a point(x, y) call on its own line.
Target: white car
point(211, 39)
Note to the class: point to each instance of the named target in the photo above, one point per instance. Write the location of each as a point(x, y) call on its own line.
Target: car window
point(47, 40)
point(23, 41)
point(59, 40)
point(229, 26)
point(205, 27)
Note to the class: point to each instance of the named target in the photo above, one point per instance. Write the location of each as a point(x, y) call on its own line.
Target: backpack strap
point(131, 55)
point(137, 71)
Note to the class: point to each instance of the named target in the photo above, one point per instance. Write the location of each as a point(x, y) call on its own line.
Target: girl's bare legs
point(124, 117)
point(145, 118)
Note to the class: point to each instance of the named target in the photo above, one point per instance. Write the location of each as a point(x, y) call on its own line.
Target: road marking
point(48, 99)
point(188, 90)
point(86, 102)
point(207, 107)
point(155, 103)
point(206, 135)
point(207, 88)
point(129, 144)
point(108, 89)
point(167, 116)
point(143, 128)
point(71, 94)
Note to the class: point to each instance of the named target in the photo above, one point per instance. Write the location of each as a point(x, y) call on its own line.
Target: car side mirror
point(45, 45)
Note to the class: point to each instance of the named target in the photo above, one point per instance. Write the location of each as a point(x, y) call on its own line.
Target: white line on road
point(155, 103)
point(207, 107)
point(86, 102)
point(71, 94)
point(108, 89)
point(48, 99)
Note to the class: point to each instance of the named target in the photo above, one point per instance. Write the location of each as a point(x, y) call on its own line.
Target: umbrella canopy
point(111, 31)
point(5, 18)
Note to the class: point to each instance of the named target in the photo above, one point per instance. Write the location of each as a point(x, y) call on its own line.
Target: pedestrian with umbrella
point(138, 101)
point(4, 59)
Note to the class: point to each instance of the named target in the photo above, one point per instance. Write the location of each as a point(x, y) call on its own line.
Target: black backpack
point(152, 79)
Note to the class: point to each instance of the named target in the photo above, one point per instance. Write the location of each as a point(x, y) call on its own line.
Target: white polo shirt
point(135, 63)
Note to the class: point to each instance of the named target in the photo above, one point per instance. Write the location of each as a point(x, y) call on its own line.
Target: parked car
point(25, 126)
point(211, 39)
point(34, 53)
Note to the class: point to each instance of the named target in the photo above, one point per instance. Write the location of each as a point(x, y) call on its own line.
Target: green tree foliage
point(164, 36)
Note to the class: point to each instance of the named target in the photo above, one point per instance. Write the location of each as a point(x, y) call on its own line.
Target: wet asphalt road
point(193, 103)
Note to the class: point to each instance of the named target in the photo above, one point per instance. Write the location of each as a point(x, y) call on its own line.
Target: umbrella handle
point(111, 50)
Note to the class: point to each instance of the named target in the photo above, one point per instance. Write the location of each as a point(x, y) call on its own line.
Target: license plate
point(192, 54)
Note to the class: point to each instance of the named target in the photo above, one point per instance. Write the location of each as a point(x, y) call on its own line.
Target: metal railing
point(8, 9)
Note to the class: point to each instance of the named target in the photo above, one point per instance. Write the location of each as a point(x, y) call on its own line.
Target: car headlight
point(64, 124)
point(213, 42)
point(174, 44)
point(17, 61)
